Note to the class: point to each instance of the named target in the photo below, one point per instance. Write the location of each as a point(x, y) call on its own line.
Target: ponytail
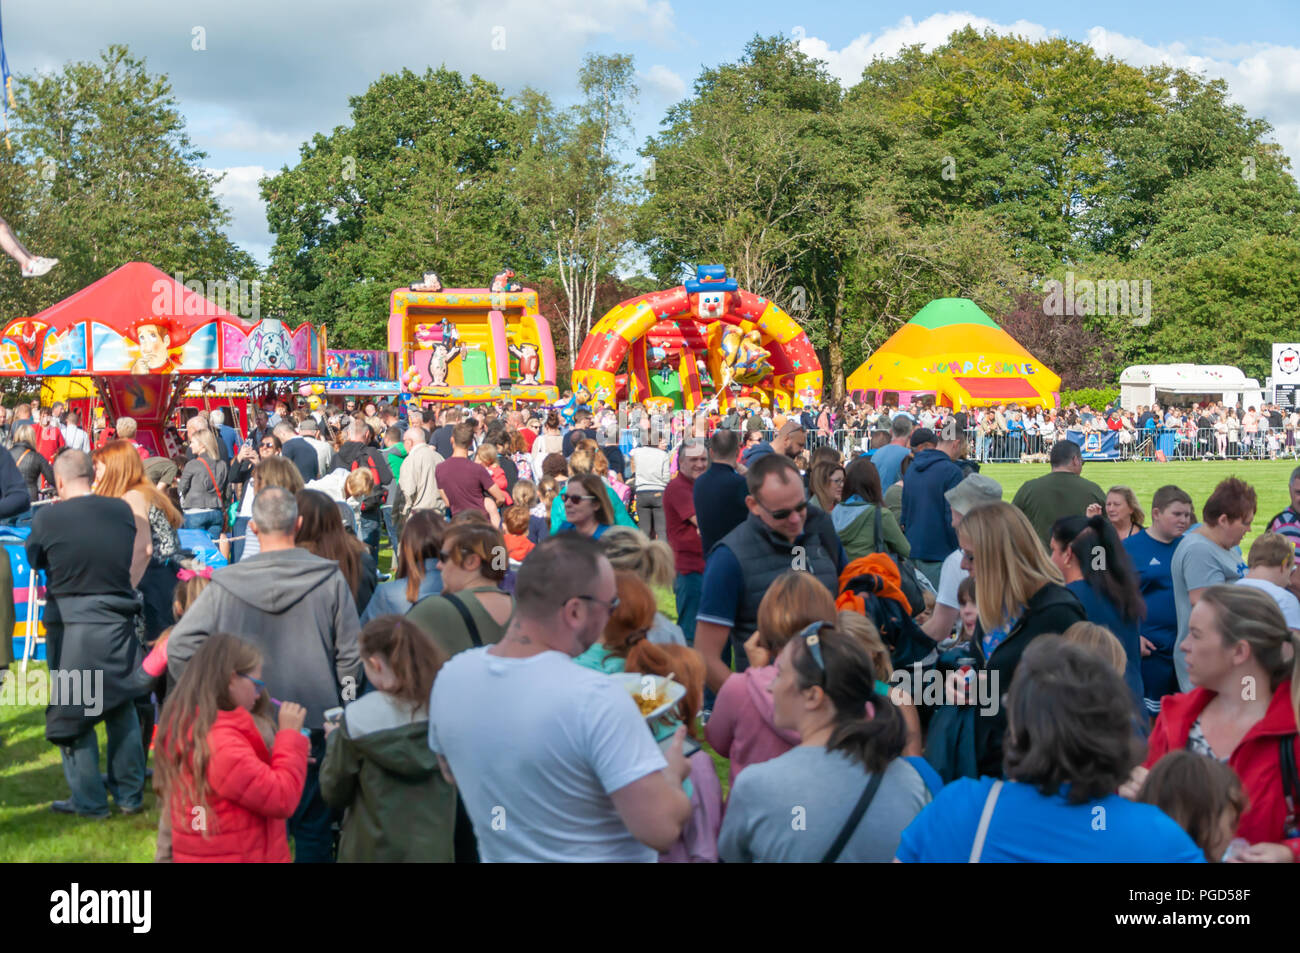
point(849, 681)
point(1115, 579)
point(412, 656)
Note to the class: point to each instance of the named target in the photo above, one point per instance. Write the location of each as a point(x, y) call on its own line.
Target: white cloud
point(290, 67)
point(663, 82)
point(239, 193)
point(847, 64)
point(1262, 77)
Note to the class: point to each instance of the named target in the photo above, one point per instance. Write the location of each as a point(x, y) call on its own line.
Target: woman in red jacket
point(1241, 712)
point(228, 788)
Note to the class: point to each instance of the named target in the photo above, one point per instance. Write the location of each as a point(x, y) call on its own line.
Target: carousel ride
point(142, 337)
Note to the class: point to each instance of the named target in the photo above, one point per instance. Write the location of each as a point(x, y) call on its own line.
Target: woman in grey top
point(805, 803)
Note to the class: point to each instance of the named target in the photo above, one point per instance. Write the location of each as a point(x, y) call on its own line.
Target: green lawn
point(31, 775)
point(1268, 477)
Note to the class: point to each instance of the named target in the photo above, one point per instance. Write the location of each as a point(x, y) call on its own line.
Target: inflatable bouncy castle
point(703, 338)
point(461, 345)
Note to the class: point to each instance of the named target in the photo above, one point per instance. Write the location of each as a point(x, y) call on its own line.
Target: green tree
point(418, 182)
point(575, 189)
point(734, 174)
point(103, 173)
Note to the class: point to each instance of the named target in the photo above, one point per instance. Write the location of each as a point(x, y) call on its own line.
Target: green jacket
point(396, 454)
point(378, 767)
point(856, 525)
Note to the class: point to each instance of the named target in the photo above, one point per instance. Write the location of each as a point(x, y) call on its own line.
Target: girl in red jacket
point(1241, 713)
point(229, 791)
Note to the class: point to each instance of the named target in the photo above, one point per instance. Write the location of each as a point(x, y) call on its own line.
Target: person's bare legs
point(32, 265)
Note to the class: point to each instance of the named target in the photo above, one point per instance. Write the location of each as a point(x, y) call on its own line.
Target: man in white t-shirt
point(962, 498)
point(651, 467)
point(554, 761)
point(1271, 560)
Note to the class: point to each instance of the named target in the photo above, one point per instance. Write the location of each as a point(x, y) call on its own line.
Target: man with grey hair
point(298, 610)
point(359, 451)
point(309, 430)
point(227, 436)
point(93, 653)
point(126, 428)
point(417, 481)
point(975, 490)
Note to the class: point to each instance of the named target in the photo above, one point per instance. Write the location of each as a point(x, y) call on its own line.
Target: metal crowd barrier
point(1175, 444)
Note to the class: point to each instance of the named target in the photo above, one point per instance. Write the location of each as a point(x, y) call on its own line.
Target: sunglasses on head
point(814, 645)
point(785, 514)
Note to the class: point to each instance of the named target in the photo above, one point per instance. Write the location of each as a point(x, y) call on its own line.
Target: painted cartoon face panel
point(269, 348)
point(154, 341)
point(710, 305)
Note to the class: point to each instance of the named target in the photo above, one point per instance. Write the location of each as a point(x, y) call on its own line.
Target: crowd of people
point(887, 659)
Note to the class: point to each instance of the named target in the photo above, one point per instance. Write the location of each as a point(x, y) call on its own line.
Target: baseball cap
point(973, 491)
point(921, 436)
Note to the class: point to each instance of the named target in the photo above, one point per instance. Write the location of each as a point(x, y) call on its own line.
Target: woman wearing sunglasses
point(844, 793)
point(587, 509)
point(471, 610)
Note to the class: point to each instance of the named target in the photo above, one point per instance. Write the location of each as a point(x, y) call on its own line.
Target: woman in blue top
point(1069, 746)
point(587, 509)
point(1098, 570)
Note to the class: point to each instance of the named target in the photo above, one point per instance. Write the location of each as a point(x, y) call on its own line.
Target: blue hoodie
point(927, 517)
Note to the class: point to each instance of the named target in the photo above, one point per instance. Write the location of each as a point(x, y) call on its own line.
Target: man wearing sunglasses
point(554, 761)
point(774, 539)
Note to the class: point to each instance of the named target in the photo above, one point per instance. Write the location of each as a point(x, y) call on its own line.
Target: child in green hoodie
point(378, 767)
point(394, 450)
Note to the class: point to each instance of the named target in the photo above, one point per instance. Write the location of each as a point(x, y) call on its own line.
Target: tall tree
point(417, 182)
point(575, 187)
point(734, 178)
point(102, 173)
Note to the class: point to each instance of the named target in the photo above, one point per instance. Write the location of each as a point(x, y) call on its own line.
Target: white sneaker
point(38, 267)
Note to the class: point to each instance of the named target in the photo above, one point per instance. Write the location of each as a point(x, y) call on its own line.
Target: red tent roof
point(135, 291)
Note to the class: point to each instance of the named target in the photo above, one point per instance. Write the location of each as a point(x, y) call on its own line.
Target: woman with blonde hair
point(826, 481)
point(1124, 512)
point(203, 484)
point(1021, 595)
point(741, 727)
point(652, 561)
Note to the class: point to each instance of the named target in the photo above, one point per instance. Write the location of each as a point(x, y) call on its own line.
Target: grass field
point(31, 775)
point(1268, 477)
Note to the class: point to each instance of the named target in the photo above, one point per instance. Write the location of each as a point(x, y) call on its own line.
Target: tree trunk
point(833, 346)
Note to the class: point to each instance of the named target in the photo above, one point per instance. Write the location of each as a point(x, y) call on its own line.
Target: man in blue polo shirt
point(719, 491)
point(773, 539)
point(1152, 552)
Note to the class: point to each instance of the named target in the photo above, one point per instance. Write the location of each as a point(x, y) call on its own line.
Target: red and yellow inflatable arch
point(749, 348)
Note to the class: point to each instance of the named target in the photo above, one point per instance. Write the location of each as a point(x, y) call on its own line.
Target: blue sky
point(270, 74)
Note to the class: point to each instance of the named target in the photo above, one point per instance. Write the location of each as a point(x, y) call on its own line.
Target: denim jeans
point(125, 765)
point(310, 826)
point(237, 534)
point(687, 588)
point(209, 520)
